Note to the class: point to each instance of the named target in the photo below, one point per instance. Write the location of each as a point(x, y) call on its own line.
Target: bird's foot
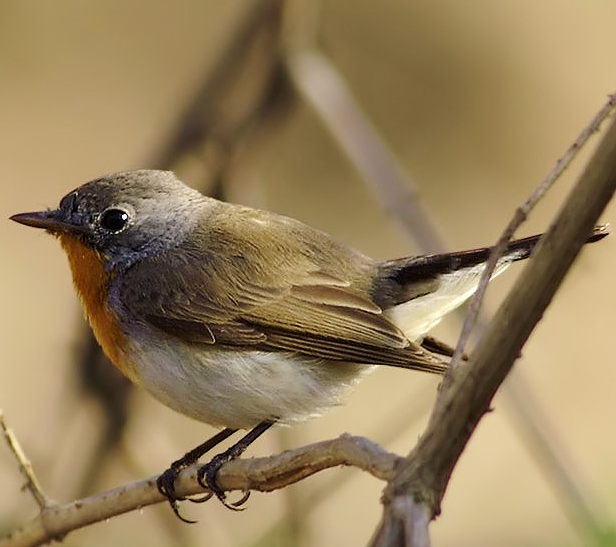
point(206, 476)
point(166, 486)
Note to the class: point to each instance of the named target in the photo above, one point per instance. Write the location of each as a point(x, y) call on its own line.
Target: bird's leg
point(433, 345)
point(166, 481)
point(206, 475)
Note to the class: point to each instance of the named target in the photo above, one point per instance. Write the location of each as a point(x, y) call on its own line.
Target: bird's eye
point(114, 220)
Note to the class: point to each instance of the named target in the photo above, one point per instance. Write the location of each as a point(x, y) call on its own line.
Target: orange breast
point(92, 282)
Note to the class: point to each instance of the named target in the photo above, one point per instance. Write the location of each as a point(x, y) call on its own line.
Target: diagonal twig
point(420, 480)
point(519, 217)
point(25, 467)
point(321, 85)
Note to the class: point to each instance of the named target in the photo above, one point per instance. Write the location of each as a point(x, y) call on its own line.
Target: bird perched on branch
point(242, 318)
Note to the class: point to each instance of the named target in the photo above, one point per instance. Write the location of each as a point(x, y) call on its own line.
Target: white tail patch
point(416, 317)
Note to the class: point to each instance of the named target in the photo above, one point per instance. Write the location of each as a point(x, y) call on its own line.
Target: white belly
point(239, 389)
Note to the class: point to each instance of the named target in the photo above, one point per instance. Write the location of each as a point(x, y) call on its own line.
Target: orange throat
point(92, 284)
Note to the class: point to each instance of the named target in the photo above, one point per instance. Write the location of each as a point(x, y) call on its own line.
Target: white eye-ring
point(114, 219)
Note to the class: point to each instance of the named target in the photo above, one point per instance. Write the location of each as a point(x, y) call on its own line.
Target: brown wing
point(227, 298)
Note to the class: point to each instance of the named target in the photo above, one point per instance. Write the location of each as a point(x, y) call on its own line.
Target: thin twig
point(25, 467)
point(519, 217)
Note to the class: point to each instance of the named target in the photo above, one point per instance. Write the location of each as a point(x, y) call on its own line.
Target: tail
point(424, 268)
point(415, 293)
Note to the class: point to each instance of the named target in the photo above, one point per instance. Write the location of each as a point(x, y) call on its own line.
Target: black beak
point(48, 220)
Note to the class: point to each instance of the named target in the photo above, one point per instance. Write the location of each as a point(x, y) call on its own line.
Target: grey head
point(125, 216)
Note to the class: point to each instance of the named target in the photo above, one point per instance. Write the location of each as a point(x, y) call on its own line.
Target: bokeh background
point(476, 100)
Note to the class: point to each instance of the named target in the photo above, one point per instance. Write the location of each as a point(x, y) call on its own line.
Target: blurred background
point(475, 101)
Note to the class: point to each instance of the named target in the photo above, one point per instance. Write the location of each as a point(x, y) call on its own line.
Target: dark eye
point(114, 220)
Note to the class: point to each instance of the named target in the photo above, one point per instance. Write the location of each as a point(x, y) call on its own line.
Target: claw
point(241, 501)
point(236, 506)
point(166, 483)
point(166, 486)
point(202, 499)
point(206, 477)
point(176, 509)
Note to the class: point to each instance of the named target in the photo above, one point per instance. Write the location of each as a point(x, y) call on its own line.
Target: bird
point(243, 318)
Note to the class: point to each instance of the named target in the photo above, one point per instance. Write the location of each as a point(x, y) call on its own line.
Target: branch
point(420, 481)
point(261, 474)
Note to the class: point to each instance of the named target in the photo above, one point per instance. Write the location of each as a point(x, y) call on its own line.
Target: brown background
point(477, 99)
